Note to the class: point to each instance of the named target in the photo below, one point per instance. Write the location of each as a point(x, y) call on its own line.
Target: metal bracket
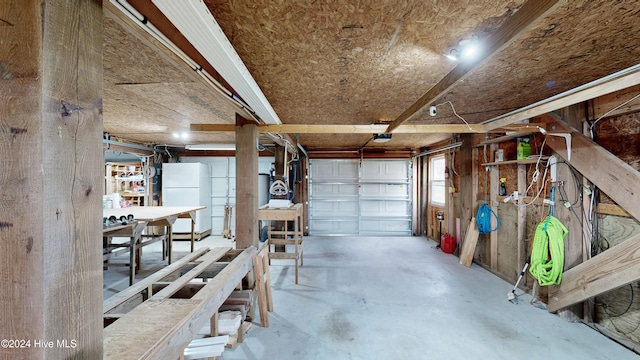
point(567, 138)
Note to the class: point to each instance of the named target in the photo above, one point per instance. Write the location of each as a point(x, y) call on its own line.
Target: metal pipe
point(134, 146)
point(446, 147)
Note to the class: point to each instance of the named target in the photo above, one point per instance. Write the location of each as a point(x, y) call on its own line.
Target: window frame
point(437, 178)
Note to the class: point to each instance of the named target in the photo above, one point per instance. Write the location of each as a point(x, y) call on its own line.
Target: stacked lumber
point(240, 301)
point(205, 348)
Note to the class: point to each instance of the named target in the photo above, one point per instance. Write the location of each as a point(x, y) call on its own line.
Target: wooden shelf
point(507, 162)
point(508, 137)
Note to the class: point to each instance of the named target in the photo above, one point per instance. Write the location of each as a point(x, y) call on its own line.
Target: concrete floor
point(398, 298)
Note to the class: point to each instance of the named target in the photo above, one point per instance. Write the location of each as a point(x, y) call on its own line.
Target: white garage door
point(354, 197)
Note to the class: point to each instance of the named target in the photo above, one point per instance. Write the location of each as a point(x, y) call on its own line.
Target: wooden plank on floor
point(469, 245)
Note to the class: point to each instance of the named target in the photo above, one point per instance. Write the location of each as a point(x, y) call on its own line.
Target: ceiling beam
point(523, 20)
point(347, 129)
point(621, 80)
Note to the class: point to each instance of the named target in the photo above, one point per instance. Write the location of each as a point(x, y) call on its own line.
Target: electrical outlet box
point(553, 167)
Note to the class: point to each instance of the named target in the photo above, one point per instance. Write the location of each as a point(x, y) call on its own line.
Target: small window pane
point(437, 186)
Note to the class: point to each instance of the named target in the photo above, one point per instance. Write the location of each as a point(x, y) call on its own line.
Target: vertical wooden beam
point(522, 215)
point(246, 183)
point(573, 241)
point(279, 155)
point(475, 174)
point(449, 217)
point(466, 191)
point(573, 222)
point(493, 203)
point(424, 201)
point(51, 177)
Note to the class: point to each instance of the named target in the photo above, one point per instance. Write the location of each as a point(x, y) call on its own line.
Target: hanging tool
point(512, 296)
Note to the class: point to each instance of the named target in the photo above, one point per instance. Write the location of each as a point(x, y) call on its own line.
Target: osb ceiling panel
point(350, 62)
point(147, 99)
point(581, 42)
point(361, 62)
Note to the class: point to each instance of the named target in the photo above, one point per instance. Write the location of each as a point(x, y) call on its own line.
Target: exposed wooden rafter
point(347, 129)
point(524, 19)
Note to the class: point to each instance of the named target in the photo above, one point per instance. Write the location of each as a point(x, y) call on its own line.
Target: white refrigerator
point(188, 184)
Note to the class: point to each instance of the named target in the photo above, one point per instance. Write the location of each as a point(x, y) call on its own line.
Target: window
point(437, 188)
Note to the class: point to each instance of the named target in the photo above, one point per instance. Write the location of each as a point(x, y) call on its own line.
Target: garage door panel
point(335, 170)
point(334, 190)
point(360, 197)
point(385, 208)
point(333, 227)
point(335, 209)
point(385, 190)
point(384, 169)
point(370, 227)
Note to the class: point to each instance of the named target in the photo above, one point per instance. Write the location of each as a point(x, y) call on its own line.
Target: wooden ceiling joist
point(524, 19)
point(347, 129)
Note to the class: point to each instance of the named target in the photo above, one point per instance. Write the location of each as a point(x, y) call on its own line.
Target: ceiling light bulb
point(470, 52)
point(453, 55)
point(176, 135)
point(184, 135)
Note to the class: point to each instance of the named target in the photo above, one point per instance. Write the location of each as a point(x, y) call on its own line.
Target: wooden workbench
point(285, 237)
point(158, 317)
point(132, 230)
point(159, 216)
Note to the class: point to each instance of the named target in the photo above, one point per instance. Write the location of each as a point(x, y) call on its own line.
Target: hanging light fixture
point(467, 50)
point(385, 137)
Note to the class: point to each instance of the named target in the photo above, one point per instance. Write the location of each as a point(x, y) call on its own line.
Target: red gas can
point(447, 243)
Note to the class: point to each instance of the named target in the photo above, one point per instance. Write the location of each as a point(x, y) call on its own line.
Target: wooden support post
point(467, 201)
point(522, 216)
point(573, 241)
point(493, 204)
point(246, 183)
point(279, 155)
point(51, 178)
point(213, 324)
